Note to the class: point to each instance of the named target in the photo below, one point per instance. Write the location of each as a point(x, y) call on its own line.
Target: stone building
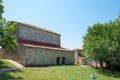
point(80, 59)
point(40, 47)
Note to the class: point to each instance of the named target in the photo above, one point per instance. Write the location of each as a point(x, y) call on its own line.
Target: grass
point(58, 73)
point(5, 64)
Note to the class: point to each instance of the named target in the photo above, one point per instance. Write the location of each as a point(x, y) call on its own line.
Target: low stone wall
point(18, 55)
point(5, 54)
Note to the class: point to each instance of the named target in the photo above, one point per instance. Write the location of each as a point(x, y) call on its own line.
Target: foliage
point(8, 40)
point(1, 9)
point(102, 42)
point(5, 64)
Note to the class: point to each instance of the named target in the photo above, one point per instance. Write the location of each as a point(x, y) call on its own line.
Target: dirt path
point(18, 65)
point(7, 69)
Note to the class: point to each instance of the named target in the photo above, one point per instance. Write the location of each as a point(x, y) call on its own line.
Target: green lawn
point(5, 64)
point(58, 73)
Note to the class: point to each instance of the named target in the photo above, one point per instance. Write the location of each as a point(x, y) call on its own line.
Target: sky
point(70, 18)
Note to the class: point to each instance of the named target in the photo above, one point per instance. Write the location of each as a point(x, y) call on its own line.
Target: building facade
point(31, 34)
point(80, 59)
point(40, 47)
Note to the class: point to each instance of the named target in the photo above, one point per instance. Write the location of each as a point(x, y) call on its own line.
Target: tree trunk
point(108, 65)
point(112, 67)
point(101, 63)
point(96, 64)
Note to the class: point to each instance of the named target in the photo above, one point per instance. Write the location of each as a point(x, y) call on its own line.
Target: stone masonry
point(33, 33)
point(40, 47)
point(43, 56)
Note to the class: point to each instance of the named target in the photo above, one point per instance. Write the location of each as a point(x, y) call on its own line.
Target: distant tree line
point(102, 42)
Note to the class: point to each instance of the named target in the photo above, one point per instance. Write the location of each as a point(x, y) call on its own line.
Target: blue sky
point(70, 18)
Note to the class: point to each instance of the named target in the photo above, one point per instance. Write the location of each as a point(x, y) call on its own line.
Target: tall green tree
point(1, 9)
point(8, 39)
point(102, 42)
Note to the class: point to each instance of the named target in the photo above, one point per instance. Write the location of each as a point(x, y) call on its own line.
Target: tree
point(8, 40)
point(1, 9)
point(102, 42)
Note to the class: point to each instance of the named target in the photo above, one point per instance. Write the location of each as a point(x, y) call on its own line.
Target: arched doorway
point(58, 60)
point(63, 60)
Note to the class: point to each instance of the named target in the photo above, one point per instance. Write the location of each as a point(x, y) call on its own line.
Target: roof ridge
point(28, 45)
point(36, 27)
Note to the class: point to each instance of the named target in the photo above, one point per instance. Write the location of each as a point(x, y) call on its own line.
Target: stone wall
point(33, 55)
point(18, 55)
point(42, 56)
point(21, 53)
point(79, 59)
point(30, 55)
point(29, 32)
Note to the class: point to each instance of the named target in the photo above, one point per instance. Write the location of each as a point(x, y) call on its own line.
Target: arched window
point(63, 60)
point(58, 60)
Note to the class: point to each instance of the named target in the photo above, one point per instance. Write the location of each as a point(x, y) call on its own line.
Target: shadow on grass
point(7, 76)
point(108, 73)
point(5, 65)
